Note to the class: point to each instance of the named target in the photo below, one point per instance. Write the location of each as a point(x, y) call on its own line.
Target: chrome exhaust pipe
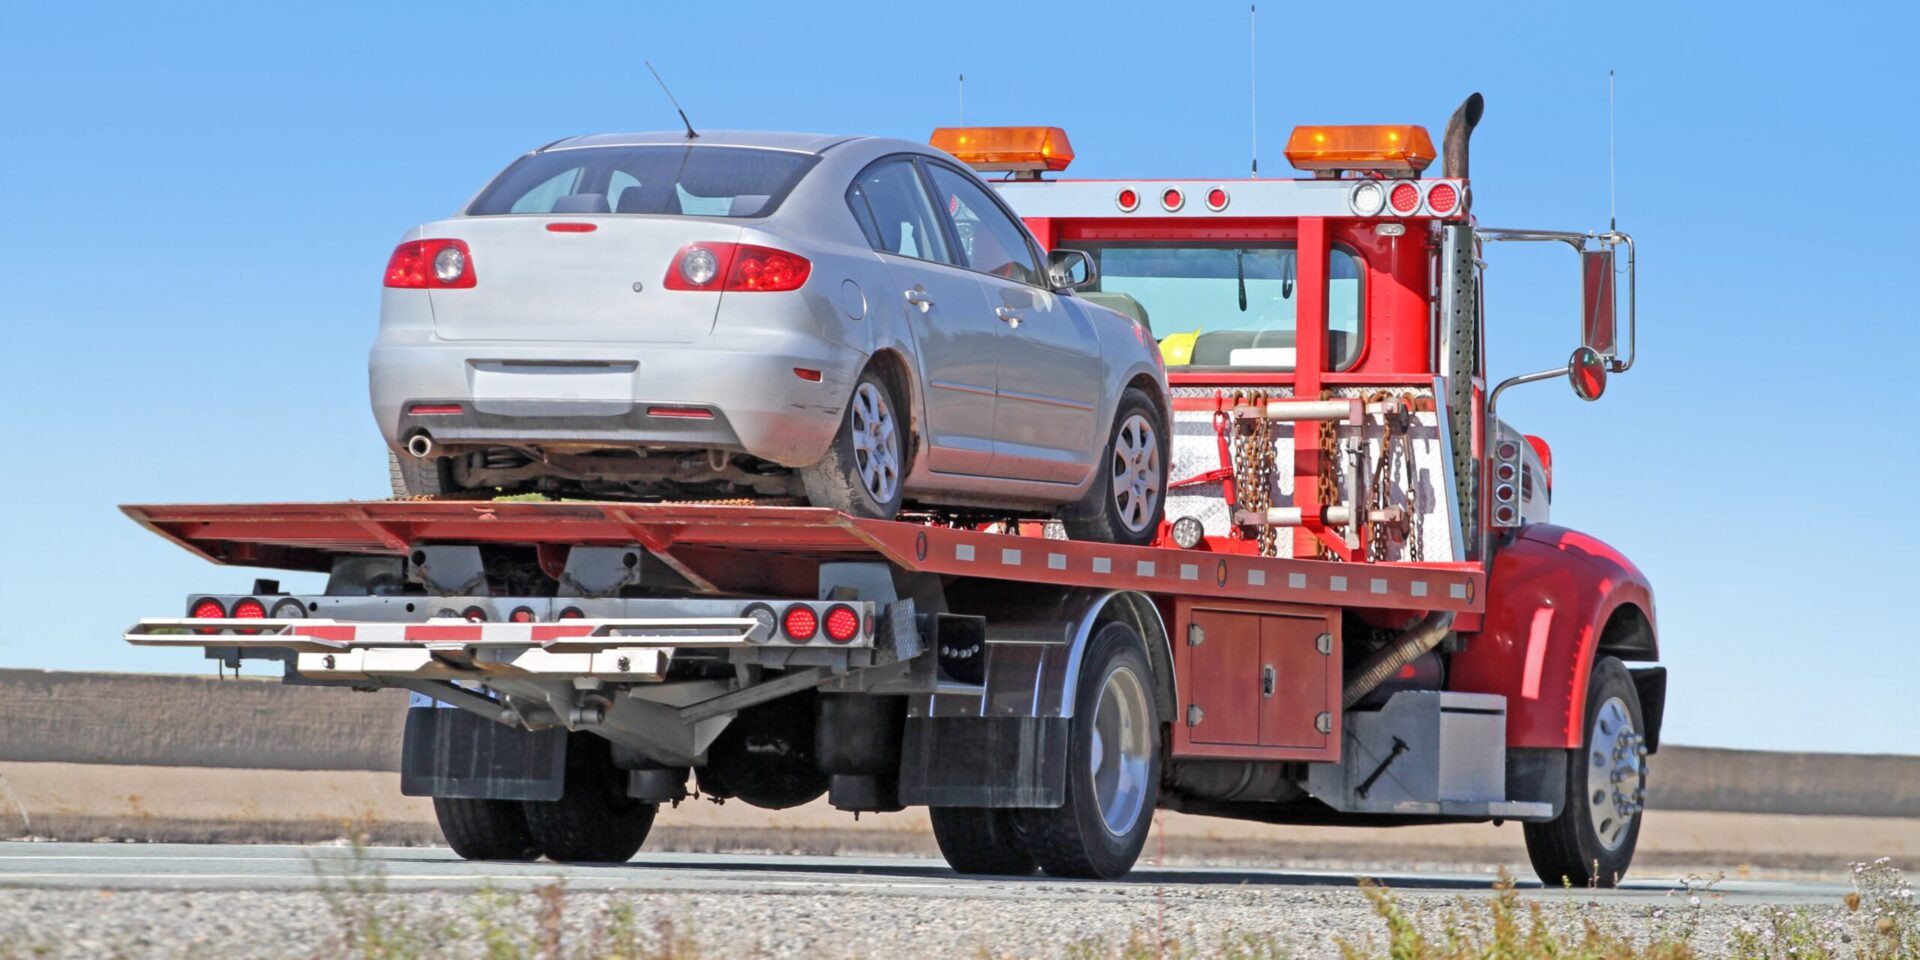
point(1460, 126)
point(420, 446)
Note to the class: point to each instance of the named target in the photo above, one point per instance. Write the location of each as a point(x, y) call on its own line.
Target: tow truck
point(1356, 613)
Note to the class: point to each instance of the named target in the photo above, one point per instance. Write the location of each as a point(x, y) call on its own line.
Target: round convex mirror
point(1587, 369)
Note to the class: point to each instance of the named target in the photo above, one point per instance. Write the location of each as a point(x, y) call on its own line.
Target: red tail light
point(208, 609)
point(800, 623)
point(1442, 198)
point(249, 609)
point(842, 623)
point(1172, 199)
point(571, 613)
point(431, 264)
point(1404, 198)
point(737, 267)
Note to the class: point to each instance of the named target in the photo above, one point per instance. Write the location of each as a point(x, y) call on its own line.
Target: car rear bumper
point(746, 398)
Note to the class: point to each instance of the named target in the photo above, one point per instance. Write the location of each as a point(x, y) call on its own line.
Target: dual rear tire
point(594, 821)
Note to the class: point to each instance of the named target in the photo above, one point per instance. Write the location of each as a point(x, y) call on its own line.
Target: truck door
point(1052, 372)
point(955, 334)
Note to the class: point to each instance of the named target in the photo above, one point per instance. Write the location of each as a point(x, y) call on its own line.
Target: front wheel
point(1113, 766)
point(1128, 495)
point(1590, 843)
point(864, 468)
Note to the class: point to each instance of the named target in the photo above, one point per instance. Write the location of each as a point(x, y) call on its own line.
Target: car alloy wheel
point(876, 442)
point(1135, 481)
point(1122, 754)
point(1615, 784)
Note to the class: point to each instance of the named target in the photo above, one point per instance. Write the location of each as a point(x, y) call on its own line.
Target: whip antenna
point(1612, 203)
point(963, 99)
point(676, 104)
point(1253, 88)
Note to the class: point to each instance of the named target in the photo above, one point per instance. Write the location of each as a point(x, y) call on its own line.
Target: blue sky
point(198, 204)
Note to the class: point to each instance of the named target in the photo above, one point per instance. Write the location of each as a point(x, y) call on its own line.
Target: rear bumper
point(611, 394)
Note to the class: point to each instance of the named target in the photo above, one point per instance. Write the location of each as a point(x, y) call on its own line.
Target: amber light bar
point(1403, 148)
point(1026, 149)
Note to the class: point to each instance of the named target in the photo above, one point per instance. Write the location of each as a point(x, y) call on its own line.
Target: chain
point(1329, 485)
point(1396, 442)
point(1253, 465)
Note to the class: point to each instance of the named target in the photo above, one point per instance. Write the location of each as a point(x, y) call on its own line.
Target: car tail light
point(571, 227)
point(1404, 198)
point(1442, 198)
point(681, 413)
point(1217, 199)
point(800, 623)
point(842, 623)
point(1128, 200)
point(737, 267)
point(1172, 199)
point(439, 264)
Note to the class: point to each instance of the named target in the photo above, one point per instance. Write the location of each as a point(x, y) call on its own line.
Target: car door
point(1052, 372)
point(955, 335)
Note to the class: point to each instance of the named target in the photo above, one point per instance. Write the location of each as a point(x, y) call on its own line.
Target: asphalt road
point(171, 867)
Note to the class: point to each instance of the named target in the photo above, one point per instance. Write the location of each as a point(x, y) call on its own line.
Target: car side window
point(991, 241)
point(896, 214)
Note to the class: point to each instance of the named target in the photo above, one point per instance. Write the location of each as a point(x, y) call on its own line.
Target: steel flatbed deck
point(749, 549)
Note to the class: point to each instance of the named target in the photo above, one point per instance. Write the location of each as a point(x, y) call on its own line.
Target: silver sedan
point(857, 321)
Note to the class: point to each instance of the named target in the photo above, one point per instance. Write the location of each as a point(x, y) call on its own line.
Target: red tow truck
point(1356, 613)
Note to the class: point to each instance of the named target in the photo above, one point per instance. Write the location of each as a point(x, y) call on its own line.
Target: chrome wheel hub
point(1136, 479)
point(876, 443)
point(1122, 751)
point(1616, 773)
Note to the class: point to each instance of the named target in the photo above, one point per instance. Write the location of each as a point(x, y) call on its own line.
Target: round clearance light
point(1404, 198)
point(1503, 516)
point(1187, 533)
point(766, 622)
point(1172, 199)
point(1507, 450)
point(1217, 199)
point(842, 623)
point(474, 615)
point(1443, 198)
point(1504, 473)
point(699, 266)
point(800, 623)
point(1503, 492)
point(249, 609)
point(521, 615)
point(1128, 200)
point(449, 264)
point(207, 609)
point(289, 609)
point(1367, 198)
point(571, 613)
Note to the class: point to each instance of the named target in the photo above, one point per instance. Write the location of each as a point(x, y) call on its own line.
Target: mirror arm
point(1493, 399)
point(1620, 365)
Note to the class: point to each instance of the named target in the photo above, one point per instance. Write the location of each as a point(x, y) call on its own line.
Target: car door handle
point(1010, 315)
point(921, 299)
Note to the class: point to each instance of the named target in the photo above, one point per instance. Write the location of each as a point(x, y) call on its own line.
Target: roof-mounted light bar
point(1020, 149)
point(1388, 148)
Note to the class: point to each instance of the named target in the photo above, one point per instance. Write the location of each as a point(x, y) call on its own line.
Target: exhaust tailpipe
point(1404, 649)
point(420, 446)
point(1459, 130)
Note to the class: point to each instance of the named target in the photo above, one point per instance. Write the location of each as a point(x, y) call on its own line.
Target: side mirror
point(1588, 371)
point(1597, 319)
point(1071, 270)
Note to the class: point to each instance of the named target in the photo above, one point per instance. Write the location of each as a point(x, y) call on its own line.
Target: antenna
point(963, 100)
point(1612, 203)
point(1253, 88)
point(676, 104)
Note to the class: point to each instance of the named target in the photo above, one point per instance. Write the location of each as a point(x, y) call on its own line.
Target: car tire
point(864, 469)
point(981, 840)
point(419, 478)
point(1113, 766)
point(1590, 844)
point(594, 821)
point(1128, 496)
point(485, 829)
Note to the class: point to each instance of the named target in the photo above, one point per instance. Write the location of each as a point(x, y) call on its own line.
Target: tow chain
point(1396, 442)
point(1253, 466)
point(1329, 485)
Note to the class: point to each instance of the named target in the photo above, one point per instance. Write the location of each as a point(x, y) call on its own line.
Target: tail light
point(207, 609)
point(1443, 198)
point(439, 264)
point(474, 615)
point(800, 623)
point(737, 267)
point(843, 624)
point(1404, 198)
point(571, 613)
point(248, 609)
point(1172, 199)
point(521, 615)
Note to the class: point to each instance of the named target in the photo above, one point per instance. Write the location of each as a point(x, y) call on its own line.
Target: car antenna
point(1253, 88)
point(1613, 222)
point(676, 104)
point(963, 100)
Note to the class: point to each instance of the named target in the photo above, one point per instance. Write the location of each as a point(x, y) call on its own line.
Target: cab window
point(990, 241)
point(895, 213)
point(1229, 304)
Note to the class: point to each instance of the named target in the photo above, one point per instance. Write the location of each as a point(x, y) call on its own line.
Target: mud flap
point(984, 762)
point(453, 753)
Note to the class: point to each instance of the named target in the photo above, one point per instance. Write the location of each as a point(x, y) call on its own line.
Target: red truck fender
point(1556, 599)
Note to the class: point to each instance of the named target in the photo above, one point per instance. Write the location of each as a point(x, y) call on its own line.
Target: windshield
point(1229, 304)
point(673, 180)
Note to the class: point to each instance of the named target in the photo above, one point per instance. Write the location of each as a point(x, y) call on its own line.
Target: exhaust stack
point(1453, 150)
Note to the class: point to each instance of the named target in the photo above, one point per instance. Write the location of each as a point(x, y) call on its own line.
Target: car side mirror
point(1587, 369)
point(1071, 270)
point(1597, 318)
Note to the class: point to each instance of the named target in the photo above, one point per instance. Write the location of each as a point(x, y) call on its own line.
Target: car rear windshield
point(694, 181)
point(1219, 305)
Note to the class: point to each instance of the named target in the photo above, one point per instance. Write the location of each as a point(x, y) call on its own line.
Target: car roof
point(802, 142)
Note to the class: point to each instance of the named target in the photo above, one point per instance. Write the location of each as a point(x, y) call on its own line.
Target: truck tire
point(1113, 766)
point(864, 470)
point(418, 478)
point(594, 821)
point(1590, 843)
point(981, 840)
point(1128, 496)
point(485, 829)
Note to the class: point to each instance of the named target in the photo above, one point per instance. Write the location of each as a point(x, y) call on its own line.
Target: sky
point(196, 204)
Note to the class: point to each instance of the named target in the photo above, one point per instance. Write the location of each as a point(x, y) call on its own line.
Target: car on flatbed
point(856, 321)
